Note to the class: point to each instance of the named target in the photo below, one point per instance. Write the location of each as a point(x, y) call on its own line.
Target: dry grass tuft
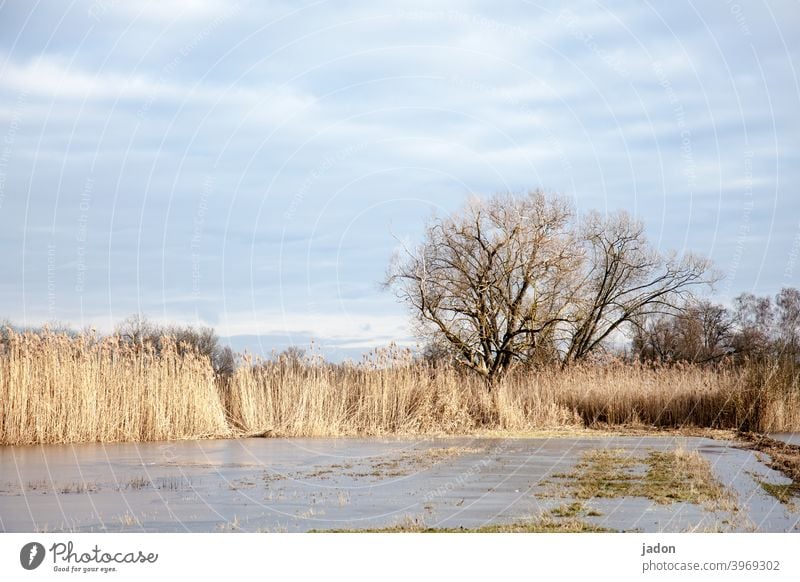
point(662, 476)
point(540, 524)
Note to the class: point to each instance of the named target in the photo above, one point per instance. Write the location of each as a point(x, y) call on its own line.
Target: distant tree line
point(753, 327)
point(137, 329)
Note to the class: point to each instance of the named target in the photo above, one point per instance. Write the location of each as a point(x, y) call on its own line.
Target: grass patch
point(603, 473)
point(568, 510)
point(681, 475)
point(662, 476)
point(782, 457)
point(782, 492)
point(574, 509)
point(543, 524)
point(406, 463)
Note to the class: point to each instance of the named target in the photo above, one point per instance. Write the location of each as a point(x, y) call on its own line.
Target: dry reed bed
point(55, 388)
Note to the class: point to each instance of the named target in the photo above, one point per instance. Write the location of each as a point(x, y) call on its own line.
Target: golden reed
point(55, 389)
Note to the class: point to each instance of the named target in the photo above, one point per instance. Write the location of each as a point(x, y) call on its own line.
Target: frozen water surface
point(304, 484)
point(792, 438)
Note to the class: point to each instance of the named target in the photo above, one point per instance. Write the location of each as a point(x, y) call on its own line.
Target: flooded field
point(294, 485)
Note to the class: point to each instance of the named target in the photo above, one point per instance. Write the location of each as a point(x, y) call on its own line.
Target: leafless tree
point(515, 279)
point(436, 352)
point(492, 280)
point(224, 362)
point(754, 319)
point(137, 329)
point(711, 328)
point(626, 278)
point(654, 338)
point(203, 340)
point(700, 332)
point(788, 303)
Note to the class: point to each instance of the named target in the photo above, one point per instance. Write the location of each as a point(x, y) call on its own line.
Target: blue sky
point(253, 165)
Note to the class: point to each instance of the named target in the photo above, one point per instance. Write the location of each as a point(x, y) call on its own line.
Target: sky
point(253, 166)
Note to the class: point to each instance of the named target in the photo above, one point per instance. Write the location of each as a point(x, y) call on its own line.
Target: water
point(304, 484)
point(792, 438)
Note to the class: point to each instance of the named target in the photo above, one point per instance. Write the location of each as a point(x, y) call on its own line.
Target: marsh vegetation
point(522, 305)
point(57, 388)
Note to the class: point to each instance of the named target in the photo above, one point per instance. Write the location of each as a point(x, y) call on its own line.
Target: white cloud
point(49, 77)
point(366, 330)
point(160, 11)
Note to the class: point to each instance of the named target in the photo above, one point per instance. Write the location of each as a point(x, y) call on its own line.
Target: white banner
point(352, 557)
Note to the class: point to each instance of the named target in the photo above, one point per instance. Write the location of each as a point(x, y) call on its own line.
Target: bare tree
point(754, 319)
point(436, 353)
point(654, 338)
point(203, 340)
point(625, 278)
point(788, 303)
point(492, 280)
point(712, 328)
point(136, 329)
point(224, 362)
point(700, 332)
point(513, 279)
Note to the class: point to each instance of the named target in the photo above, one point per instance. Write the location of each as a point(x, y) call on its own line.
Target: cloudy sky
point(253, 165)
